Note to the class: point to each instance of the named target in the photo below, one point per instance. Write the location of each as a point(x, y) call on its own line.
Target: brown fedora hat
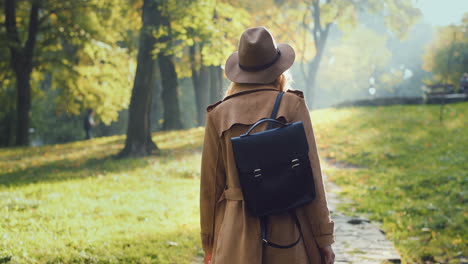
point(259, 59)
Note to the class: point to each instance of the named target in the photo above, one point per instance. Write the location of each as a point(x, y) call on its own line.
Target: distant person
point(464, 83)
point(230, 233)
point(88, 122)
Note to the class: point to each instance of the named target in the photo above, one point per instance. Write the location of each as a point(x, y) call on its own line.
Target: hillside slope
point(75, 203)
point(403, 167)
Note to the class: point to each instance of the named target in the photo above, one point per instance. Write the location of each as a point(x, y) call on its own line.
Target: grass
point(75, 203)
point(405, 169)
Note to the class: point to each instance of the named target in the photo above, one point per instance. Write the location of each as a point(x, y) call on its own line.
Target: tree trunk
point(21, 63)
point(195, 80)
point(320, 36)
point(7, 128)
point(156, 106)
point(203, 93)
point(169, 93)
point(200, 80)
point(310, 81)
point(23, 107)
point(216, 84)
point(314, 66)
point(139, 142)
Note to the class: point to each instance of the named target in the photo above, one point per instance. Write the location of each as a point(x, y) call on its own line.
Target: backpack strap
point(263, 224)
point(275, 109)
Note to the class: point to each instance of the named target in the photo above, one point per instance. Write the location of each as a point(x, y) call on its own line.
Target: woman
point(230, 235)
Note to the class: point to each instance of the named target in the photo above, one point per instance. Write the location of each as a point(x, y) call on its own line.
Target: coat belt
point(233, 193)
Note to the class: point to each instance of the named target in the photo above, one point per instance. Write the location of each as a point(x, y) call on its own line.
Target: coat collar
point(241, 90)
point(248, 105)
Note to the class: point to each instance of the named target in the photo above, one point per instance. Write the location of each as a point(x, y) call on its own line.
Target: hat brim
point(268, 75)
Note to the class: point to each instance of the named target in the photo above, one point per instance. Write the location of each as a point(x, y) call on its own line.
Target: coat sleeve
point(317, 211)
point(211, 187)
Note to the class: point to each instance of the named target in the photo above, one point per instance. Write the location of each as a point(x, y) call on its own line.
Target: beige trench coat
point(227, 229)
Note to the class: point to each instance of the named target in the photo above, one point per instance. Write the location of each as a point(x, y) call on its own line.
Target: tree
point(196, 37)
point(348, 69)
point(192, 41)
point(169, 93)
point(139, 141)
point(22, 63)
point(312, 20)
point(56, 37)
point(447, 56)
point(212, 31)
point(200, 78)
point(169, 80)
point(216, 83)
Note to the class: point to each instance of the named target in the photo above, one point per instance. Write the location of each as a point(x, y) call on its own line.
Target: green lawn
point(74, 203)
point(405, 169)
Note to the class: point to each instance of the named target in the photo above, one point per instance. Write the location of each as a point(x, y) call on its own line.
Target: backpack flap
point(274, 169)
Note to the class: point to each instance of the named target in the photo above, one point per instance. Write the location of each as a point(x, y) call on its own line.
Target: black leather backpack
point(274, 170)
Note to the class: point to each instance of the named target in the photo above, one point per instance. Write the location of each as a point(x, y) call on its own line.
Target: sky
point(442, 12)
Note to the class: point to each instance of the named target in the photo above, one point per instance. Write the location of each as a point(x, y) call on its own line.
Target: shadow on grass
point(80, 160)
point(21, 153)
point(68, 169)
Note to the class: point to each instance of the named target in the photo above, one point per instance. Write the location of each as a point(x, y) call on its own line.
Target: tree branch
point(33, 28)
point(193, 66)
point(10, 22)
point(327, 28)
point(316, 14)
point(44, 17)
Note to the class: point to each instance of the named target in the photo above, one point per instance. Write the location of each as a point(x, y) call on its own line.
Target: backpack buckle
point(295, 163)
point(257, 173)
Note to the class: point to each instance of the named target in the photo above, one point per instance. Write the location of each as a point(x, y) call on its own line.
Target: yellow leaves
point(401, 14)
point(457, 241)
point(444, 55)
point(105, 81)
point(345, 17)
point(53, 17)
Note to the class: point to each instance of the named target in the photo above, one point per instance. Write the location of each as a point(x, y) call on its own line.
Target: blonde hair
point(282, 83)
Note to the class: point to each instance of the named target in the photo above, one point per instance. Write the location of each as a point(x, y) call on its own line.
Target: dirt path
point(358, 240)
